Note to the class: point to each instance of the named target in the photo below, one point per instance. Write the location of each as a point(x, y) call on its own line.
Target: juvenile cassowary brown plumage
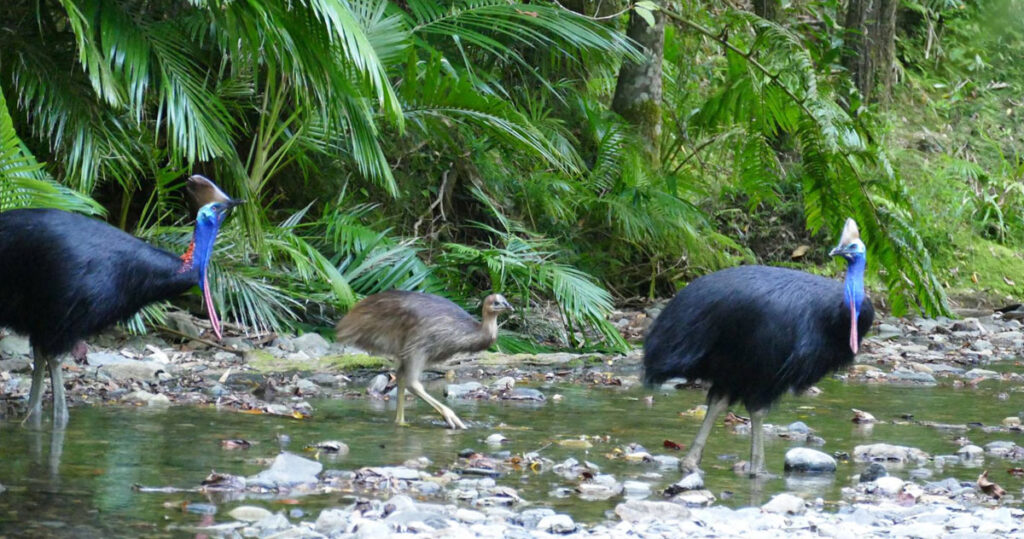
point(417, 329)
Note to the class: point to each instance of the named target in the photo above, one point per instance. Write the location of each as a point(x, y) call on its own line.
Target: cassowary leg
point(449, 416)
point(716, 405)
point(400, 416)
point(60, 403)
point(757, 443)
point(35, 395)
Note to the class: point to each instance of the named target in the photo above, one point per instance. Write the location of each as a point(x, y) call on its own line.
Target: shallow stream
point(80, 483)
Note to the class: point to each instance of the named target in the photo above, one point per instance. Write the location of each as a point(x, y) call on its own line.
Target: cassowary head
point(496, 303)
point(852, 249)
point(216, 206)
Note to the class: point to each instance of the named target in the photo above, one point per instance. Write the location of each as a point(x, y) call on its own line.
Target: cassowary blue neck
point(854, 289)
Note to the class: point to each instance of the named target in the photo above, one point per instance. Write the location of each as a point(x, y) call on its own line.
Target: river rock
point(312, 343)
point(463, 391)
point(888, 485)
point(1004, 449)
point(873, 472)
point(636, 489)
point(530, 518)
point(288, 470)
point(911, 377)
point(496, 439)
point(249, 513)
point(273, 523)
point(504, 383)
point(15, 345)
point(332, 521)
point(785, 504)
point(805, 459)
point(524, 394)
point(122, 369)
point(147, 398)
point(888, 453)
point(640, 510)
point(557, 523)
point(970, 452)
point(18, 364)
point(981, 373)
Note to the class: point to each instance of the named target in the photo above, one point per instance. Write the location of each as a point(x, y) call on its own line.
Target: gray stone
point(312, 343)
point(288, 470)
point(785, 504)
point(887, 331)
point(372, 529)
point(332, 521)
point(183, 323)
point(980, 373)
point(147, 398)
point(122, 369)
point(639, 510)
point(666, 461)
point(397, 472)
point(805, 459)
point(873, 472)
point(20, 364)
point(274, 522)
point(911, 377)
point(378, 384)
point(531, 517)
point(15, 345)
point(798, 427)
point(307, 388)
point(889, 485)
point(462, 391)
point(888, 453)
point(524, 394)
point(636, 489)
point(557, 524)
point(970, 452)
point(1001, 448)
point(504, 383)
point(692, 481)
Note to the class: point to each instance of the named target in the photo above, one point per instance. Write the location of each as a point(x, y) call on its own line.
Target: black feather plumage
point(64, 277)
point(753, 333)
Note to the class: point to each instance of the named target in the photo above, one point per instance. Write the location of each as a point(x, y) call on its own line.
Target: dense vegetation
point(474, 145)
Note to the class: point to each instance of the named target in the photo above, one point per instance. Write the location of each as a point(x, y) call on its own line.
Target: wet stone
point(524, 394)
point(911, 377)
point(785, 504)
point(15, 345)
point(332, 521)
point(531, 517)
point(638, 510)
point(888, 453)
point(288, 470)
point(313, 344)
point(970, 452)
point(980, 373)
point(803, 459)
point(464, 391)
point(558, 523)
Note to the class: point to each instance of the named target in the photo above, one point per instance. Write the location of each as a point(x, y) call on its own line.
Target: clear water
point(79, 484)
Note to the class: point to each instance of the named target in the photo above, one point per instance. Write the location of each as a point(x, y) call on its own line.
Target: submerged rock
point(288, 470)
point(639, 510)
point(873, 472)
point(785, 504)
point(888, 453)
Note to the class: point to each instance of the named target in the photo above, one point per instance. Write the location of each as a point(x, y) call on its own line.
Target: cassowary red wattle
point(754, 333)
point(64, 277)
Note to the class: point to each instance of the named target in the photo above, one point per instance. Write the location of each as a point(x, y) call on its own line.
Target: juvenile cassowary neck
point(489, 328)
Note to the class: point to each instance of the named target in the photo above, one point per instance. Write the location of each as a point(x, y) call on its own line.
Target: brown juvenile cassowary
point(756, 332)
point(64, 277)
point(417, 329)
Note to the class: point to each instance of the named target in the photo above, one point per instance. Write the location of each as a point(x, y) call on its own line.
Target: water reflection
point(81, 478)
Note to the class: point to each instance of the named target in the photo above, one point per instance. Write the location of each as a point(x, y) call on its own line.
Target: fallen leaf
point(236, 443)
point(988, 487)
point(1016, 472)
point(733, 419)
point(669, 444)
point(800, 251)
point(1009, 281)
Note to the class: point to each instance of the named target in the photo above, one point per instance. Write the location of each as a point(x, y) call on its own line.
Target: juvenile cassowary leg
point(35, 395)
point(400, 416)
point(757, 443)
point(449, 416)
point(60, 403)
point(716, 406)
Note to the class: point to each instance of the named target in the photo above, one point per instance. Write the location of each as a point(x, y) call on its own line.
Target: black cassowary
point(755, 332)
point(64, 277)
point(418, 329)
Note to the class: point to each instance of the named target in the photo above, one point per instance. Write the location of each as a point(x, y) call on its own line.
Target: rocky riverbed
point(899, 490)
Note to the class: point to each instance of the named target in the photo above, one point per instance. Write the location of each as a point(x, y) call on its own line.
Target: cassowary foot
point(453, 420)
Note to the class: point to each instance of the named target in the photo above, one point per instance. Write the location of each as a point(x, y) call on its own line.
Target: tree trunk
point(638, 89)
point(884, 46)
point(767, 9)
point(857, 54)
